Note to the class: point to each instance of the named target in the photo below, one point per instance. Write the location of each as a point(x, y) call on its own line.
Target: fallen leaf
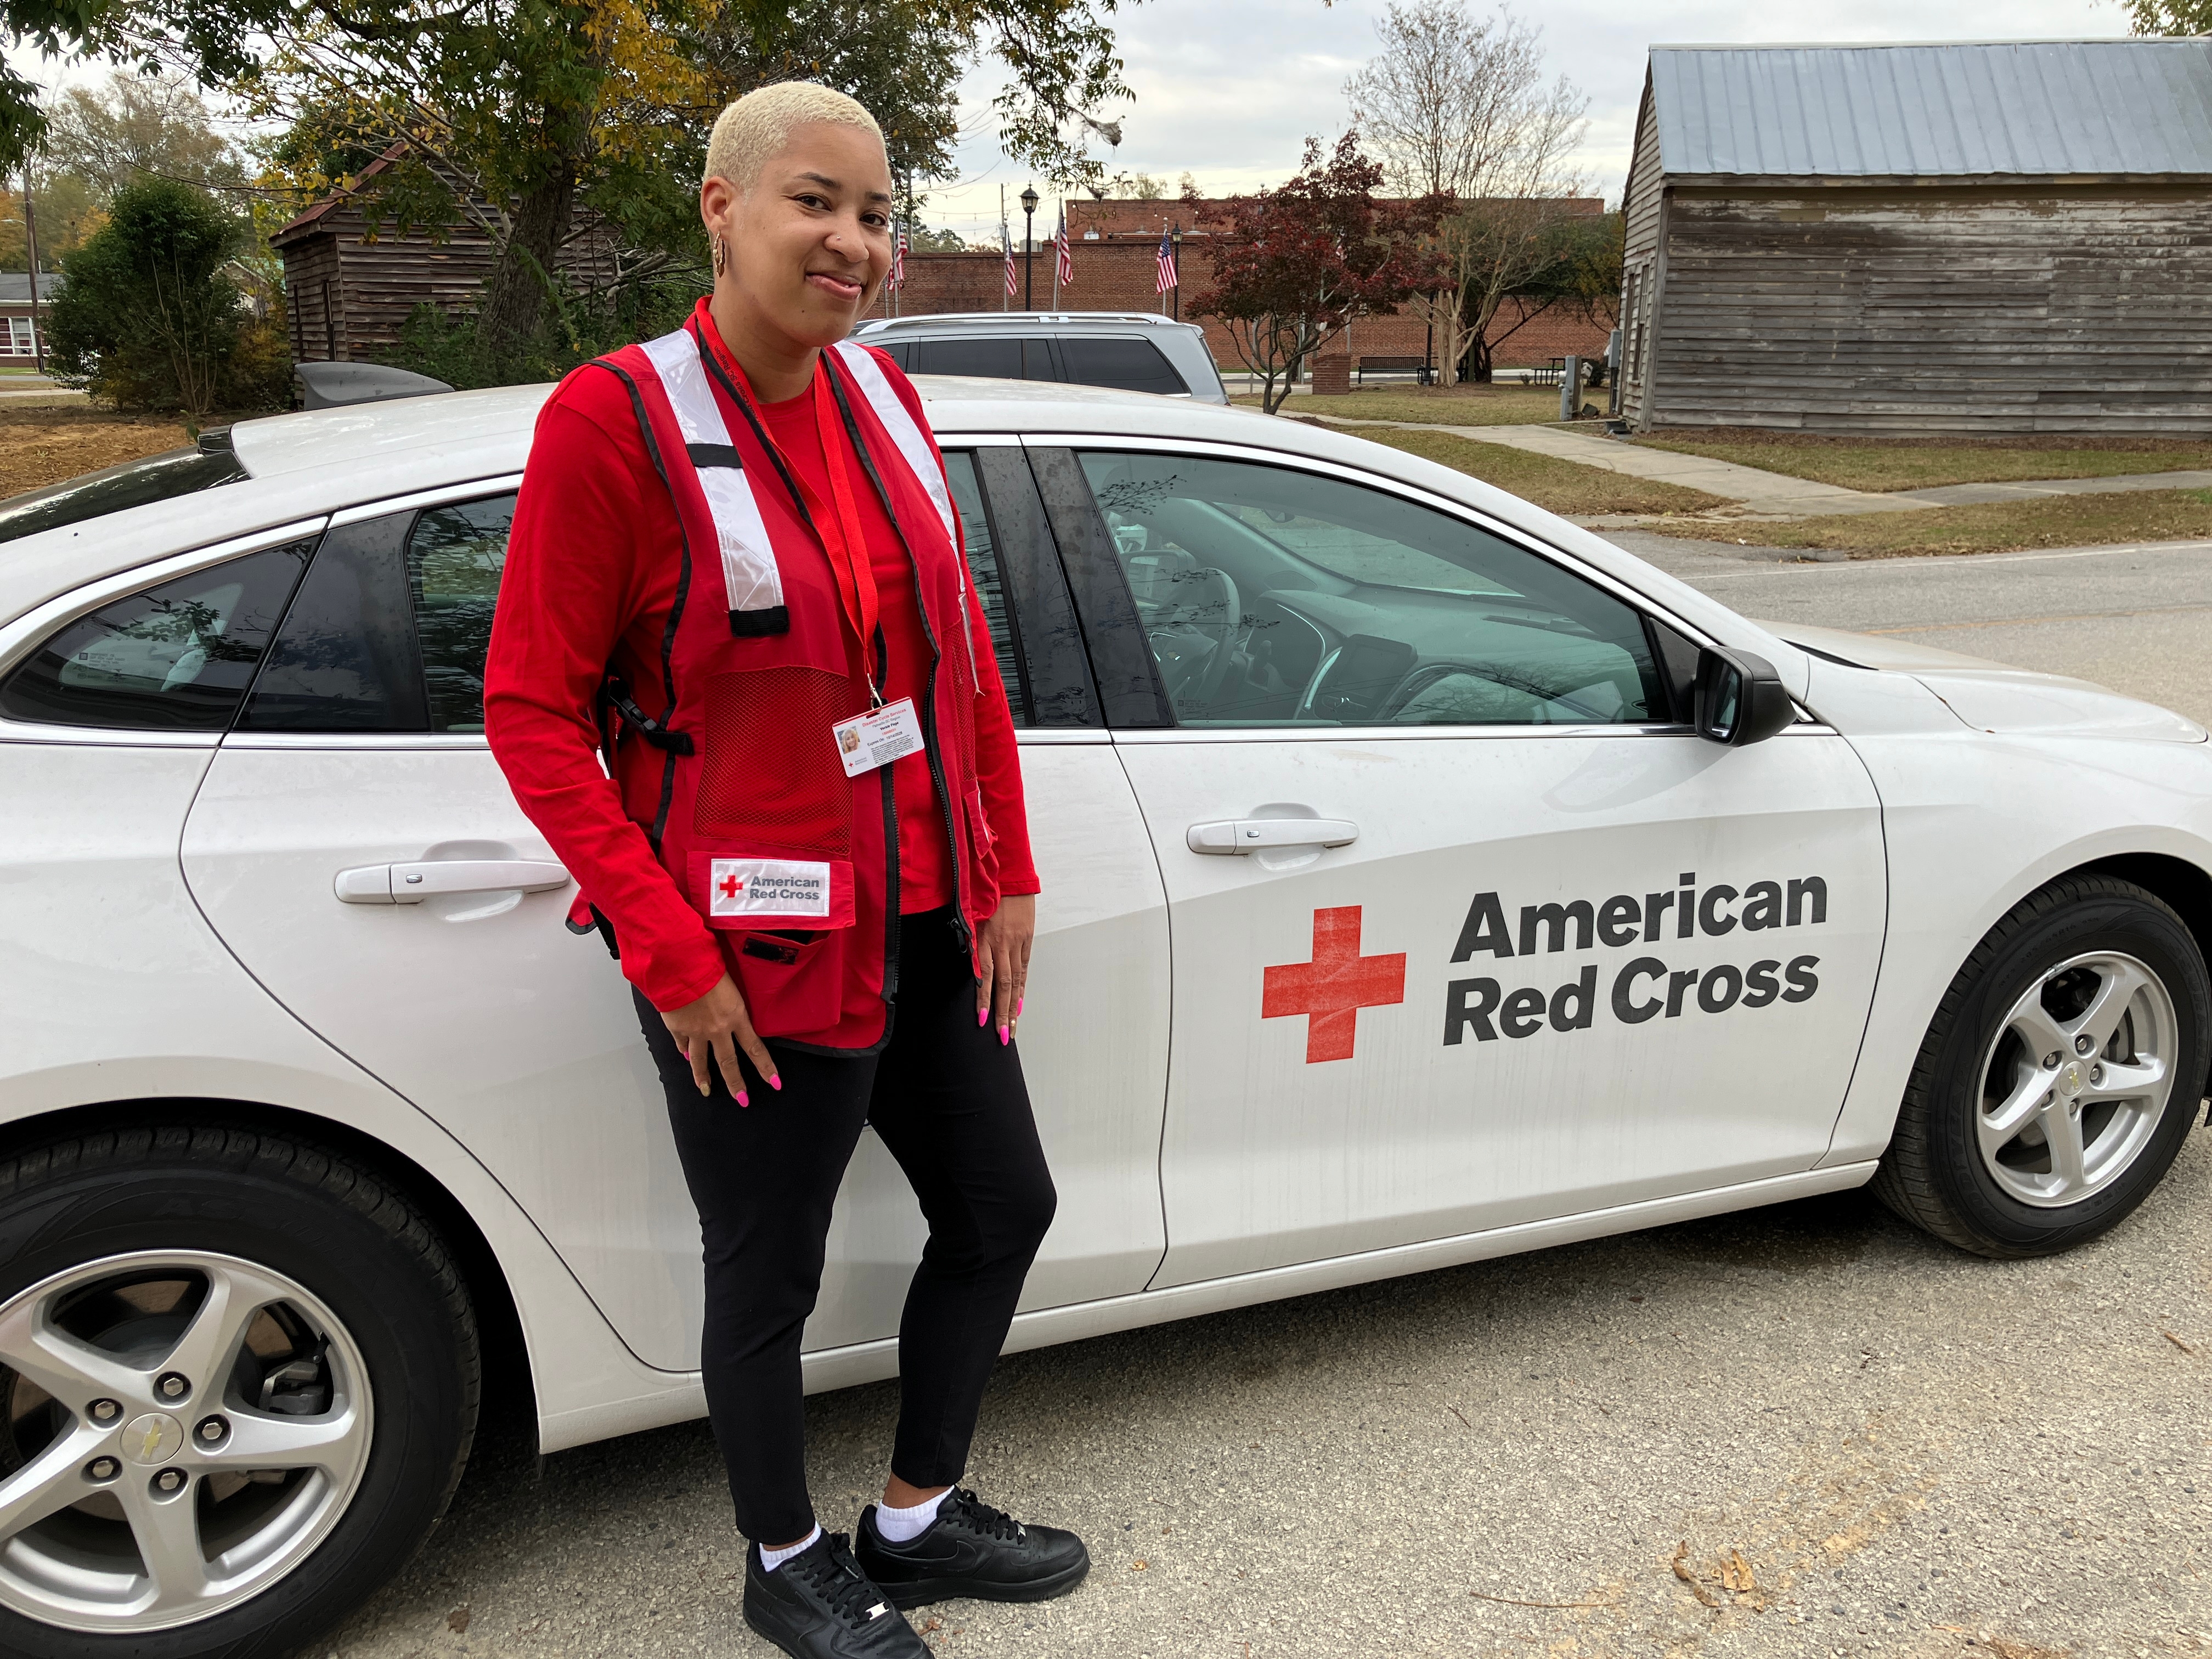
point(934, 1624)
point(1735, 1574)
point(458, 1620)
point(1137, 1567)
point(1680, 1564)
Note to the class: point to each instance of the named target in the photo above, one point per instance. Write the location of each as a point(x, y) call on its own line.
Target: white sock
point(903, 1526)
point(771, 1559)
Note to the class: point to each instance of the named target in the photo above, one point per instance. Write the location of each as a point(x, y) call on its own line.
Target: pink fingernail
point(776, 1083)
point(1019, 1004)
point(741, 1099)
point(1005, 1036)
point(982, 1015)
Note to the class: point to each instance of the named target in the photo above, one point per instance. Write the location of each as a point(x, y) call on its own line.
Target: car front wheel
point(238, 1381)
point(2059, 1076)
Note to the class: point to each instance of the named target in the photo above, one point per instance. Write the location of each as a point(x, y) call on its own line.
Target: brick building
point(1115, 246)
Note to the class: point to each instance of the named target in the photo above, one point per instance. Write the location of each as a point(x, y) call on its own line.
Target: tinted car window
point(134, 483)
point(346, 659)
point(990, 584)
point(1272, 597)
point(173, 658)
point(998, 357)
point(1128, 365)
point(454, 558)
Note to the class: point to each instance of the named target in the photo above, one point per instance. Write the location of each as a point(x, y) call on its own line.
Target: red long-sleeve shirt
point(591, 574)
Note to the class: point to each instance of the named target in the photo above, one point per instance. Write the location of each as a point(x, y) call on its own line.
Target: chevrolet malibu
point(1425, 880)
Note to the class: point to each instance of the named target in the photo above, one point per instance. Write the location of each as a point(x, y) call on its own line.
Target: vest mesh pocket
point(771, 771)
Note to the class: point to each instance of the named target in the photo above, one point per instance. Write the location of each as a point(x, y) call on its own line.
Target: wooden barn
point(348, 291)
point(2001, 238)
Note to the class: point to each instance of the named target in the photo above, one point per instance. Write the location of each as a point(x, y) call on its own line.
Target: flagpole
point(1059, 247)
point(1005, 246)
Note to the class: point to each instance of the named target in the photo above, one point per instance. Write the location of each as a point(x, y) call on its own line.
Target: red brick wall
point(1120, 275)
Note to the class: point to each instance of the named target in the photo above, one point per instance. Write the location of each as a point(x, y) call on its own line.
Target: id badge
point(877, 737)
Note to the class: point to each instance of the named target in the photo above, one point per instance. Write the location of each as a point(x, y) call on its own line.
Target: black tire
point(1933, 1175)
point(341, 1234)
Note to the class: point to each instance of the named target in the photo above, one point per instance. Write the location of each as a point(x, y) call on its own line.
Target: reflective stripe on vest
point(891, 414)
point(749, 575)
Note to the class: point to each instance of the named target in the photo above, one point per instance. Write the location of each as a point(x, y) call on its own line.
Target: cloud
point(1228, 90)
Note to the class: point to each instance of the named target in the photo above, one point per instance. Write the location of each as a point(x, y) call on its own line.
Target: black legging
point(948, 1100)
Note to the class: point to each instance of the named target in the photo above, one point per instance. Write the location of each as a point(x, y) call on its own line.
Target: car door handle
point(410, 883)
point(1231, 835)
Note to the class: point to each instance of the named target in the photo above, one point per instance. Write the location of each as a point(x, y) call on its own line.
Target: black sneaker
point(972, 1549)
point(819, 1605)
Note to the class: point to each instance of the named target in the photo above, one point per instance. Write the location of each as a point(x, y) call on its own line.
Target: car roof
point(306, 465)
point(1027, 322)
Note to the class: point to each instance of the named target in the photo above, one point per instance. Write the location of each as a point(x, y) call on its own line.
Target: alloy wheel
point(177, 1432)
point(2076, 1080)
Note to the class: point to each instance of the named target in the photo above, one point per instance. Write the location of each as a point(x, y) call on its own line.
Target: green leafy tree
point(542, 108)
point(2170, 16)
point(150, 316)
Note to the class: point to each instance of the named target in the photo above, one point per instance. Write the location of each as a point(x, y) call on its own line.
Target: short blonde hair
point(755, 129)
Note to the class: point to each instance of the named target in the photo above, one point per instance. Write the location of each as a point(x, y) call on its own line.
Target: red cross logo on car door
point(1331, 989)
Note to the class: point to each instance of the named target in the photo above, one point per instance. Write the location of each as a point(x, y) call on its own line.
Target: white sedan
point(1425, 879)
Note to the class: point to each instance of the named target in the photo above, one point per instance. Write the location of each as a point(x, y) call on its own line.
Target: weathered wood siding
point(1998, 309)
point(349, 296)
point(1639, 203)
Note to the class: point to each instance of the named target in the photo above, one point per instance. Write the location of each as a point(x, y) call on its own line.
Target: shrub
point(150, 319)
point(573, 330)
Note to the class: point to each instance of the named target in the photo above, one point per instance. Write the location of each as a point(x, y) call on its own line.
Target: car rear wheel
point(238, 1382)
point(2063, 1069)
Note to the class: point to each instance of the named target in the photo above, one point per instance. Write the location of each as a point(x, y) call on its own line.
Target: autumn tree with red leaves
point(1292, 266)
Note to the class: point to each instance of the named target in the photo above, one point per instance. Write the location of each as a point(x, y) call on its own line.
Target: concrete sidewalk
point(1760, 491)
point(1776, 494)
point(1972, 494)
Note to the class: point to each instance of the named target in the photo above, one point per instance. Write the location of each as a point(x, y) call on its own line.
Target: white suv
point(1124, 351)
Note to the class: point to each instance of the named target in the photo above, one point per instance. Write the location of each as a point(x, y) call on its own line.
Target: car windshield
point(134, 483)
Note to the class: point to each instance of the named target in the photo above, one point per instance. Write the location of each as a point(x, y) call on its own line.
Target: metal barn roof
point(1967, 110)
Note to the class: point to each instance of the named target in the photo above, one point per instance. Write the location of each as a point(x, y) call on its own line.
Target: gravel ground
point(1803, 1430)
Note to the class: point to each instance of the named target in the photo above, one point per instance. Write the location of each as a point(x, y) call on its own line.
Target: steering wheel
point(1224, 637)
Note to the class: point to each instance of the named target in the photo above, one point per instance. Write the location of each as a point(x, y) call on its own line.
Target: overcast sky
point(1228, 89)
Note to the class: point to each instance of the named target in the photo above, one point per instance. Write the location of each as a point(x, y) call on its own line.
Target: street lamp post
point(1029, 247)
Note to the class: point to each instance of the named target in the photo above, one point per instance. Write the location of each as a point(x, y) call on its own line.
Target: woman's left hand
point(1002, 962)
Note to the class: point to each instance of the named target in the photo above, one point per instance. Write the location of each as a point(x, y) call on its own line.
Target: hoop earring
point(721, 257)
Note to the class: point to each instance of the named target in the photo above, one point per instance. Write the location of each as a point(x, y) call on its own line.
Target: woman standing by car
point(735, 572)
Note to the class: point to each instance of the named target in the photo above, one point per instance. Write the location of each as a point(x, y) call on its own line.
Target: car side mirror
point(1739, 698)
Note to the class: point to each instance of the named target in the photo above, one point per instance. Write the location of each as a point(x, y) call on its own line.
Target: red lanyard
point(842, 537)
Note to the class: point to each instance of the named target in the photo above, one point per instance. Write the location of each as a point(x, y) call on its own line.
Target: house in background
point(1999, 238)
point(17, 344)
point(348, 290)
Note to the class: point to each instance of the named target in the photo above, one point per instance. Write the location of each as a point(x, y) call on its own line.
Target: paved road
point(2136, 618)
point(1855, 1440)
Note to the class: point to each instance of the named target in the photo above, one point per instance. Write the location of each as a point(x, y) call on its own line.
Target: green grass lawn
point(1922, 463)
point(2152, 515)
point(1561, 486)
point(1465, 405)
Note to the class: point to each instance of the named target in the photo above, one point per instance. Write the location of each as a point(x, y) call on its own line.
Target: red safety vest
point(795, 865)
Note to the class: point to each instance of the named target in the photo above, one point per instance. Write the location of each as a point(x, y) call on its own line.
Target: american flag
point(1067, 270)
point(897, 278)
point(1168, 278)
point(1006, 242)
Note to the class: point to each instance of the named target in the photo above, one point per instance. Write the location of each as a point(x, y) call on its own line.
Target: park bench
point(1409, 365)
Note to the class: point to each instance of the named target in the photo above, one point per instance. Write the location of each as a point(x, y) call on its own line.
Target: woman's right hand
point(717, 1024)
